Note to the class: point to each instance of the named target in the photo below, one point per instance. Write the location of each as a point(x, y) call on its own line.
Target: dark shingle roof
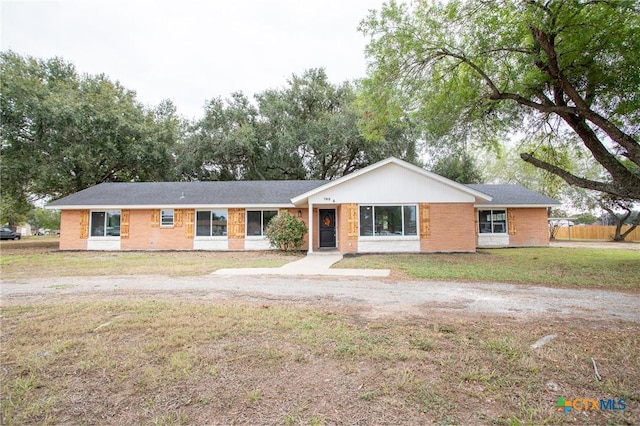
point(190, 193)
point(278, 192)
point(513, 195)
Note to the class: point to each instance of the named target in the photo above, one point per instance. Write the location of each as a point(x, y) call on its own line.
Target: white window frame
point(164, 215)
point(262, 224)
point(492, 212)
point(212, 237)
point(373, 235)
point(105, 233)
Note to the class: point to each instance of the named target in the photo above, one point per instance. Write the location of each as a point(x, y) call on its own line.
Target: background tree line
point(307, 130)
point(62, 132)
point(450, 86)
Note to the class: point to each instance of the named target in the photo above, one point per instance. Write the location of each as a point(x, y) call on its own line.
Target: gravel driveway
point(376, 296)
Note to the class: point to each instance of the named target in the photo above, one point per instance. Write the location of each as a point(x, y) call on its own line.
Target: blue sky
point(191, 51)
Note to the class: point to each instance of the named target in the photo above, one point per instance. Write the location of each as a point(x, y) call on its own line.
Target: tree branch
point(581, 106)
point(497, 95)
point(626, 141)
point(474, 66)
point(541, 107)
point(601, 154)
point(578, 181)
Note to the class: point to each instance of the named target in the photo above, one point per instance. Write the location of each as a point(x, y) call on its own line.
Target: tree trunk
point(633, 226)
point(619, 235)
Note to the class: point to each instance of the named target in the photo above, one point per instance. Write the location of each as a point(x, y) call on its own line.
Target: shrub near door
point(285, 232)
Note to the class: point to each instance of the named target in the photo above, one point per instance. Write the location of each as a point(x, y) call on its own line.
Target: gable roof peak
point(401, 163)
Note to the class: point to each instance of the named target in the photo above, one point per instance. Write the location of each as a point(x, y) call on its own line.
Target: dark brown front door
point(327, 218)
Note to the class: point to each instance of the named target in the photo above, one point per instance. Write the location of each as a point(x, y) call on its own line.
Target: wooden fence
point(594, 232)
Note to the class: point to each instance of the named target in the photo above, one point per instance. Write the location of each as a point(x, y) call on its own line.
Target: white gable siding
point(391, 184)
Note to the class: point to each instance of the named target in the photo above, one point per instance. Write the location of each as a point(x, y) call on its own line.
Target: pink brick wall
point(70, 231)
point(452, 228)
point(236, 243)
point(531, 226)
point(144, 236)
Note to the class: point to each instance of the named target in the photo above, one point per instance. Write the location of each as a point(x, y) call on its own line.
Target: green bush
point(286, 232)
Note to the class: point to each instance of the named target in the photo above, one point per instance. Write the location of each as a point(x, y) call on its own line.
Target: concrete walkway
point(311, 264)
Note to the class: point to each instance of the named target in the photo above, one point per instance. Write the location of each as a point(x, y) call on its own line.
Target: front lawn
point(601, 268)
point(37, 257)
point(580, 267)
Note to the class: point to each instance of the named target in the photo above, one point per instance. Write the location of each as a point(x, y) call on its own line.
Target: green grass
point(160, 362)
point(615, 269)
point(40, 257)
point(577, 267)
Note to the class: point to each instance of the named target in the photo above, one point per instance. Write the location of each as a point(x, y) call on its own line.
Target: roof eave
point(166, 206)
point(515, 205)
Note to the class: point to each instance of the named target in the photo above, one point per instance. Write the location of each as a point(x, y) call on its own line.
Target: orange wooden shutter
point(477, 213)
point(511, 222)
point(124, 224)
point(84, 224)
point(188, 221)
point(155, 218)
point(177, 218)
point(352, 221)
point(235, 225)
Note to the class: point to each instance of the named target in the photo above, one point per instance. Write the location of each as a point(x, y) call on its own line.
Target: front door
point(327, 220)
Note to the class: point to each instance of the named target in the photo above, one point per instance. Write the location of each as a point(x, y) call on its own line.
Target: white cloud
point(192, 51)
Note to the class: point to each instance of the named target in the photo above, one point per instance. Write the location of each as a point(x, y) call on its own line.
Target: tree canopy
point(62, 132)
point(460, 167)
point(566, 72)
point(306, 130)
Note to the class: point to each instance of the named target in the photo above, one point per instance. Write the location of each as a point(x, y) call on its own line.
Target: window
point(166, 217)
point(410, 220)
point(257, 221)
point(211, 223)
point(492, 221)
point(388, 221)
point(105, 224)
point(366, 221)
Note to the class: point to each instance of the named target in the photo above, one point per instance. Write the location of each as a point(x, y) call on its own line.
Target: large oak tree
point(62, 132)
point(305, 130)
point(489, 69)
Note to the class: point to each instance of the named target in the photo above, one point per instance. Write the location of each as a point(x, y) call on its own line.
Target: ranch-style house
point(390, 206)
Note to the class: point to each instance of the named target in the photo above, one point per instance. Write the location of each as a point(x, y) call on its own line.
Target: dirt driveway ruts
point(379, 296)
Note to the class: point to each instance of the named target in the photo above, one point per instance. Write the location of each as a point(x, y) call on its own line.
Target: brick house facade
point(390, 206)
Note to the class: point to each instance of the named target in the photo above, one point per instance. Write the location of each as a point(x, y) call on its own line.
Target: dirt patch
point(27, 246)
point(385, 296)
